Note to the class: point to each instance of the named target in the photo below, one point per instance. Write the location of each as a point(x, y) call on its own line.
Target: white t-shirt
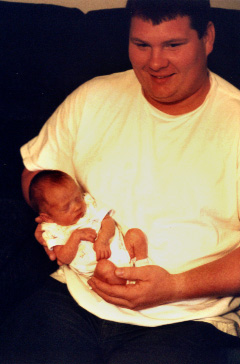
point(175, 177)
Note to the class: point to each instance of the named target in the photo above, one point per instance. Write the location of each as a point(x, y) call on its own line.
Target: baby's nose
point(77, 205)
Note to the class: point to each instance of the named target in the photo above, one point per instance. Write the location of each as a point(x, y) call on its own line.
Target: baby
point(82, 235)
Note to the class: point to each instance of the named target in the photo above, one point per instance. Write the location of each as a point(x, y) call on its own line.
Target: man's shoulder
point(226, 88)
point(225, 103)
point(104, 92)
point(95, 92)
point(114, 81)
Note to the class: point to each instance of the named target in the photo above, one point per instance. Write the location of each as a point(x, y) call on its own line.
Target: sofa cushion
point(24, 265)
point(107, 41)
point(43, 59)
point(224, 59)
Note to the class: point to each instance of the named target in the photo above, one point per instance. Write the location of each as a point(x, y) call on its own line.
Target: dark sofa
point(46, 52)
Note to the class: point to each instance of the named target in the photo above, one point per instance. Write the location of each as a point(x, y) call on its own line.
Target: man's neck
point(183, 106)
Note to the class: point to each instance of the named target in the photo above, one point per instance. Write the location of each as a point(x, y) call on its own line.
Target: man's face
point(170, 62)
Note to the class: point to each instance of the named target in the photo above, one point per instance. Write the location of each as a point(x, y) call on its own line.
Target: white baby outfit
point(85, 259)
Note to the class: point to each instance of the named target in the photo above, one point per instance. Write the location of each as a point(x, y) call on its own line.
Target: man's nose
point(158, 59)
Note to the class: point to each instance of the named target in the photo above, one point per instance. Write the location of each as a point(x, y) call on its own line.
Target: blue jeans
point(50, 328)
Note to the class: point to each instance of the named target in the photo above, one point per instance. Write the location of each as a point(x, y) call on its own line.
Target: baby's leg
point(105, 271)
point(136, 244)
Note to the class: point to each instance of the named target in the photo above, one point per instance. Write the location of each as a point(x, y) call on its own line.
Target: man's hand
point(154, 286)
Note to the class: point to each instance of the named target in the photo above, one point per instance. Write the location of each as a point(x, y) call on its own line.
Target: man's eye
point(174, 45)
point(141, 45)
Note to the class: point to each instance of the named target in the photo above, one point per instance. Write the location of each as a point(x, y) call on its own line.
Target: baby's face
point(65, 203)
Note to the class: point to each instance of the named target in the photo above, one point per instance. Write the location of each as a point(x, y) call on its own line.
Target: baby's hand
point(85, 234)
point(102, 249)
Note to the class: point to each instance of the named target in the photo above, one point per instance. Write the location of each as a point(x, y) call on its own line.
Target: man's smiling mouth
point(162, 77)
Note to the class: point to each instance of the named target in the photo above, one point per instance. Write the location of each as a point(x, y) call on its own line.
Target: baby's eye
point(78, 199)
point(65, 208)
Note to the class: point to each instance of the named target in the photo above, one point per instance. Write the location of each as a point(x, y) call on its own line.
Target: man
point(160, 146)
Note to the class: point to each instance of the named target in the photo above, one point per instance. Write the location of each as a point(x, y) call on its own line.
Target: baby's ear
point(45, 217)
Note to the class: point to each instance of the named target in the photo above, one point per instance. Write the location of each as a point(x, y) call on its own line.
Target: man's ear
point(209, 38)
point(45, 217)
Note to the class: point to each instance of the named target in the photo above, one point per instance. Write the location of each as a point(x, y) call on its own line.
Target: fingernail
point(119, 272)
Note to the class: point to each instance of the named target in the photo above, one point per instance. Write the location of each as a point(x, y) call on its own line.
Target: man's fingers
point(131, 273)
point(50, 253)
point(115, 295)
point(38, 235)
point(39, 219)
point(124, 291)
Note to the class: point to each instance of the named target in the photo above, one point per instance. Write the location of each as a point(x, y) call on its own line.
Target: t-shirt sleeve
point(238, 179)
point(53, 147)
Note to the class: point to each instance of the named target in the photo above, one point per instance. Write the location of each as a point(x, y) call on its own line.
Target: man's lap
point(45, 329)
point(49, 327)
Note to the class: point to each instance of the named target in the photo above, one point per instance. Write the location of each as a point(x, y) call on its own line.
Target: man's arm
point(27, 176)
point(155, 286)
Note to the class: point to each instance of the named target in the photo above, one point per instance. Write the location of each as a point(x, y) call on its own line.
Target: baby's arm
point(102, 243)
point(66, 253)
